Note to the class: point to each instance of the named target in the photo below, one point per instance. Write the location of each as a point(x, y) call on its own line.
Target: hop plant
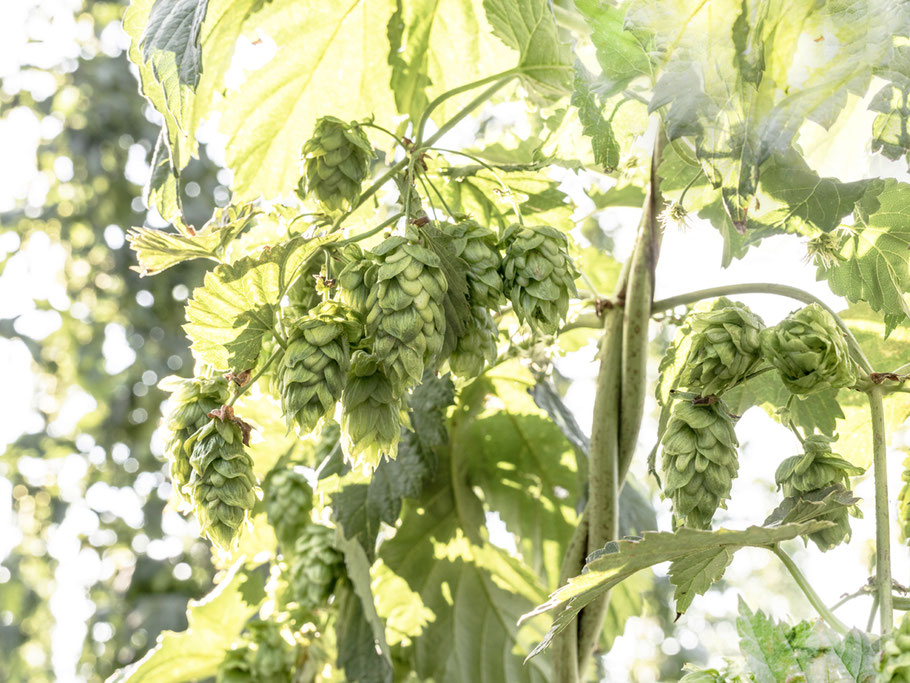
point(262, 655)
point(190, 403)
point(314, 367)
point(371, 414)
point(894, 661)
point(725, 348)
point(315, 566)
point(478, 247)
point(903, 501)
point(818, 468)
point(477, 346)
point(406, 315)
point(809, 351)
point(356, 280)
point(288, 501)
point(222, 483)
point(336, 160)
point(699, 462)
point(538, 275)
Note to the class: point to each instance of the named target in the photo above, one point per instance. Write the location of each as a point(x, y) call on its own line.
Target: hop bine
point(288, 501)
point(406, 315)
point(723, 349)
point(314, 367)
point(699, 462)
point(372, 413)
point(538, 275)
point(222, 483)
point(315, 567)
point(809, 351)
point(894, 661)
point(477, 246)
point(477, 346)
point(336, 161)
point(190, 403)
point(818, 468)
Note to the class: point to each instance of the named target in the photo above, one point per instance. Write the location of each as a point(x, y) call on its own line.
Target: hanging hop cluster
point(819, 468)
point(356, 280)
point(406, 316)
point(538, 275)
point(699, 462)
point(723, 348)
point(315, 567)
point(190, 403)
point(336, 161)
point(809, 351)
point(222, 484)
point(477, 247)
point(314, 367)
point(288, 501)
point(894, 661)
point(262, 655)
point(477, 346)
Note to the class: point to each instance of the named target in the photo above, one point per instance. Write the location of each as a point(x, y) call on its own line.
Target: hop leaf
point(336, 160)
point(222, 483)
point(371, 414)
point(894, 664)
point(725, 348)
point(809, 351)
point(538, 275)
point(818, 468)
point(699, 462)
point(288, 501)
point(188, 407)
point(314, 367)
point(477, 246)
point(406, 315)
point(315, 567)
point(477, 346)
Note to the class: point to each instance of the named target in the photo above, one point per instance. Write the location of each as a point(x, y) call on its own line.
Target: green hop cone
point(725, 348)
point(809, 351)
point(336, 161)
point(271, 657)
point(356, 280)
point(222, 483)
point(235, 667)
point(406, 316)
point(538, 275)
point(315, 365)
point(478, 247)
point(903, 502)
point(288, 501)
point(371, 414)
point(818, 468)
point(315, 566)
point(477, 346)
point(894, 660)
point(699, 462)
point(188, 407)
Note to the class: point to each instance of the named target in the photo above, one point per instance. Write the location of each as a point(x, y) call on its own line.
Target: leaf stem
point(882, 523)
point(808, 591)
point(368, 233)
point(265, 366)
point(768, 288)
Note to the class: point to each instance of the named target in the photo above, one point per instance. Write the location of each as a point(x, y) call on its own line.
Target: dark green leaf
point(173, 28)
point(357, 653)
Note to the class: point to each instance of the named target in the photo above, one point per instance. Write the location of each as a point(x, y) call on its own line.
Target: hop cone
point(538, 275)
point(190, 403)
point(336, 160)
point(406, 311)
point(222, 482)
point(288, 501)
point(903, 501)
point(894, 662)
point(315, 365)
point(809, 351)
point(315, 567)
point(477, 346)
point(699, 462)
point(725, 347)
point(478, 247)
point(371, 412)
point(235, 667)
point(264, 655)
point(819, 468)
point(357, 280)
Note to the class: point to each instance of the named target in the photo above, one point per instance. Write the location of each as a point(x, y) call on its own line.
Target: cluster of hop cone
point(386, 319)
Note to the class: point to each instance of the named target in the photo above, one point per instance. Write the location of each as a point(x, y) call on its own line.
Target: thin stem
point(872, 611)
point(471, 106)
point(265, 366)
point(368, 233)
point(767, 288)
point(586, 321)
point(882, 528)
point(808, 591)
point(397, 139)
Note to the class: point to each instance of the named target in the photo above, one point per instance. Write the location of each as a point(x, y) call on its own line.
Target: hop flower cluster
point(336, 161)
point(288, 501)
point(261, 655)
point(315, 567)
point(819, 468)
